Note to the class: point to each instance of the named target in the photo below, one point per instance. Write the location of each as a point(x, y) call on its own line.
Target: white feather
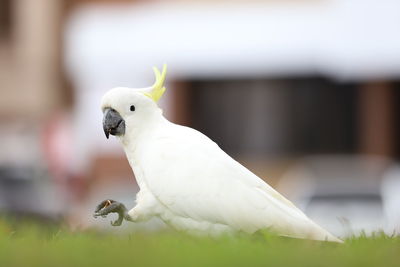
point(193, 185)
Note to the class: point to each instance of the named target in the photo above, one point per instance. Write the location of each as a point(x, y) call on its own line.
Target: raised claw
point(111, 206)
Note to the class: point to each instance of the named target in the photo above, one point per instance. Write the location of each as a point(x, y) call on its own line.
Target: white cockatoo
point(186, 179)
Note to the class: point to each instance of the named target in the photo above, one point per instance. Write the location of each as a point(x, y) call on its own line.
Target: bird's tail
point(316, 232)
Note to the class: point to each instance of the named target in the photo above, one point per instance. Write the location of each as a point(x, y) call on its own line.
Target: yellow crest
point(158, 89)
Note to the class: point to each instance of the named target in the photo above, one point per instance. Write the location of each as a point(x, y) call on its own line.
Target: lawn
point(33, 245)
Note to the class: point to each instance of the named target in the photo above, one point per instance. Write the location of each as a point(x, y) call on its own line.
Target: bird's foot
point(111, 206)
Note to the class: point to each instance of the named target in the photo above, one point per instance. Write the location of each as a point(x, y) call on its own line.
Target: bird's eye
point(132, 108)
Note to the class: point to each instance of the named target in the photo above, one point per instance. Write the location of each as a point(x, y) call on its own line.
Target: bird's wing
point(194, 178)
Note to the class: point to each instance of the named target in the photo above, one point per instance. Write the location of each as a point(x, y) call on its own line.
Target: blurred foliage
point(32, 244)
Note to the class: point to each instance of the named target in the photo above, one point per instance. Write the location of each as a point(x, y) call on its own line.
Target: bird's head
point(126, 109)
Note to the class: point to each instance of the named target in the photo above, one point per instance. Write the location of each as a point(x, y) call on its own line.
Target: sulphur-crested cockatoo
point(186, 179)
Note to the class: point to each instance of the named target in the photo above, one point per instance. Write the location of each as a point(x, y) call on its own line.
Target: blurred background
point(304, 93)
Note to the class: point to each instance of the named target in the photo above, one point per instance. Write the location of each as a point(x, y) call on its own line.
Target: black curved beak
point(113, 123)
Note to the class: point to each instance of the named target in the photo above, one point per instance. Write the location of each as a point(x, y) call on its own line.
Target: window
point(277, 117)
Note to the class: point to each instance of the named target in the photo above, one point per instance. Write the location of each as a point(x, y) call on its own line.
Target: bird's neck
point(136, 144)
point(140, 136)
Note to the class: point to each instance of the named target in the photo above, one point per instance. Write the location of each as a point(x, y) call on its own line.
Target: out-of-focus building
point(269, 81)
point(270, 59)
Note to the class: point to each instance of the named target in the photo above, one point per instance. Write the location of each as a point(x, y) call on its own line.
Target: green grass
point(32, 245)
